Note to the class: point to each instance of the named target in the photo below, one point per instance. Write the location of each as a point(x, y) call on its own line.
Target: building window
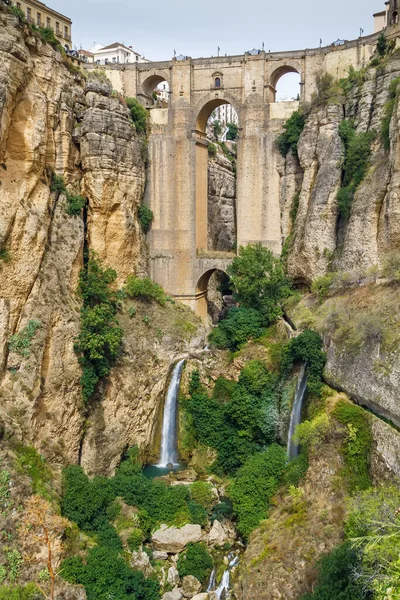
point(38, 20)
point(28, 14)
point(106, 61)
point(137, 58)
point(114, 60)
point(217, 82)
point(395, 18)
point(66, 32)
point(48, 22)
point(18, 4)
point(57, 27)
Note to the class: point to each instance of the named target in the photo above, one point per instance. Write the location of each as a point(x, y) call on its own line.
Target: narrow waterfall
point(169, 453)
point(221, 592)
point(292, 448)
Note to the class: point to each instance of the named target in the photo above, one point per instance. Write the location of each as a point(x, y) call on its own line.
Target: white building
point(115, 54)
point(225, 114)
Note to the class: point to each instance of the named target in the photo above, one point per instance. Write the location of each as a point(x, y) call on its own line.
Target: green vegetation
point(19, 592)
point(233, 132)
point(293, 127)
point(391, 266)
point(241, 426)
point(32, 464)
point(212, 150)
point(295, 208)
point(356, 163)
point(20, 343)
point(310, 434)
point(357, 447)
point(389, 110)
point(138, 115)
point(145, 289)
point(100, 337)
point(307, 347)
point(241, 325)
point(75, 203)
point(146, 217)
point(196, 561)
point(259, 280)
point(5, 254)
point(14, 564)
point(336, 576)
point(217, 128)
point(255, 484)
point(201, 493)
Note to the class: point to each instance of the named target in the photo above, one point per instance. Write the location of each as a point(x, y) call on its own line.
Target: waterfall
point(224, 586)
point(292, 448)
point(169, 454)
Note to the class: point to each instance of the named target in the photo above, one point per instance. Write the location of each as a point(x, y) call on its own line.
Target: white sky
point(156, 28)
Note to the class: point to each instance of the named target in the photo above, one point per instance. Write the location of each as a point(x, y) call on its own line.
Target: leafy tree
point(138, 114)
point(202, 493)
point(260, 281)
point(235, 331)
point(196, 561)
point(145, 289)
point(100, 337)
point(255, 484)
point(336, 576)
point(146, 217)
point(382, 45)
point(233, 132)
point(293, 127)
point(307, 347)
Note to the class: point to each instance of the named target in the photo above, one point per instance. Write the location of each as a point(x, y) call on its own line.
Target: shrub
point(233, 132)
point(307, 347)
point(100, 337)
point(260, 281)
point(336, 579)
point(57, 183)
point(146, 217)
point(198, 514)
point(321, 286)
point(145, 289)
point(32, 464)
point(357, 446)
point(138, 114)
point(75, 205)
point(391, 265)
point(295, 208)
point(256, 483)
point(20, 343)
point(135, 540)
point(27, 592)
point(202, 493)
point(296, 469)
point(241, 325)
point(356, 162)
point(311, 433)
point(5, 254)
point(212, 150)
point(293, 127)
point(196, 561)
point(217, 128)
point(223, 389)
point(106, 575)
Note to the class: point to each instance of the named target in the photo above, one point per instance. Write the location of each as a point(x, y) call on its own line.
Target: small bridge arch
point(207, 267)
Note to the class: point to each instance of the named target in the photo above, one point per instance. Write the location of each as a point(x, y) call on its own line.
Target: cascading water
point(169, 454)
point(293, 448)
point(222, 591)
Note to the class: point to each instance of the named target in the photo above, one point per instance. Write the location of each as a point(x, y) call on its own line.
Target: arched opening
point(395, 18)
point(285, 85)
point(214, 295)
point(217, 132)
point(217, 82)
point(156, 91)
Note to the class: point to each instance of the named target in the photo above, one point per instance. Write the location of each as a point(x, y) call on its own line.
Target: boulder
point(174, 540)
point(140, 561)
point(173, 576)
point(157, 555)
point(190, 586)
point(176, 594)
point(217, 535)
point(204, 596)
point(186, 475)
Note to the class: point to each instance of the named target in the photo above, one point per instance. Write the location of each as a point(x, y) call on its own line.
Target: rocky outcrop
point(320, 239)
point(221, 204)
point(174, 540)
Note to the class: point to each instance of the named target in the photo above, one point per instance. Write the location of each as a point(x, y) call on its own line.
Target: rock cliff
point(221, 204)
point(53, 119)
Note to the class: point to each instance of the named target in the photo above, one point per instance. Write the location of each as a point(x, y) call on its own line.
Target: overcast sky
point(155, 28)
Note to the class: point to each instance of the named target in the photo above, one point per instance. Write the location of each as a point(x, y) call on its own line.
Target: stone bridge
point(178, 156)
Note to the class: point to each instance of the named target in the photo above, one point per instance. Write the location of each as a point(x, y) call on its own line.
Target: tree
point(260, 281)
point(138, 114)
point(233, 132)
point(44, 529)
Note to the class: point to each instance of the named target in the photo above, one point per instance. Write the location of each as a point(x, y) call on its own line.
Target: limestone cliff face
point(373, 228)
point(54, 119)
point(221, 204)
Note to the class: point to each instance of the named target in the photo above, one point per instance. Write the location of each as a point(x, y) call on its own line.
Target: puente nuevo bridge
point(178, 159)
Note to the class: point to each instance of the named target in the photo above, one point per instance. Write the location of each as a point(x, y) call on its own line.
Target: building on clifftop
point(43, 16)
